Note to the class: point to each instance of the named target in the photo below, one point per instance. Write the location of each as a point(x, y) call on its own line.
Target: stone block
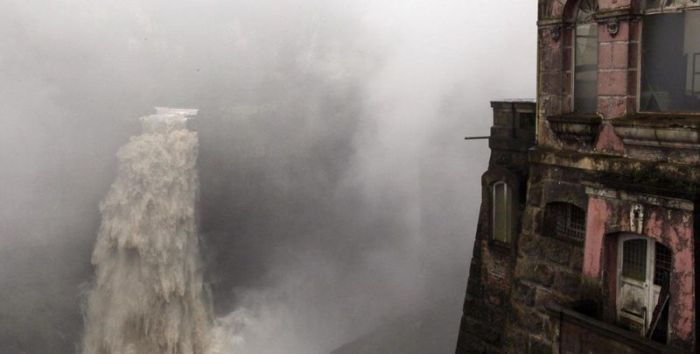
point(612, 107)
point(551, 82)
point(524, 294)
point(567, 83)
point(545, 297)
point(551, 57)
point(515, 342)
point(540, 274)
point(530, 246)
point(557, 252)
point(612, 83)
point(567, 283)
point(538, 346)
point(620, 55)
point(576, 261)
point(550, 104)
point(534, 195)
point(605, 56)
point(532, 321)
point(483, 329)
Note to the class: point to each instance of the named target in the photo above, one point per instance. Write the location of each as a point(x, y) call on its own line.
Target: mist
point(337, 195)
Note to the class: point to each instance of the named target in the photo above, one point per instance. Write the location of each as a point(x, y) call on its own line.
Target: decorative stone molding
point(613, 27)
point(555, 33)
point(599, 191)
point(575, 129)
point(637, 218)
point(660, 136)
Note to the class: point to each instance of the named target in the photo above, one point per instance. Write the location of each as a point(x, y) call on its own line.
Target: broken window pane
point(671, 63)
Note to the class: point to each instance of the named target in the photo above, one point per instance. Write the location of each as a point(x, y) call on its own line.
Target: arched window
point(644, 271)
point(586, 58)
point(566, 221)
point(501, 214)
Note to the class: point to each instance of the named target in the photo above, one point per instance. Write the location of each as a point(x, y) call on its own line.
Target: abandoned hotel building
point(586, 237)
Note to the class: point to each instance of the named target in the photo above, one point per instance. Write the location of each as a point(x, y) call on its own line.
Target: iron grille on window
point(634, 259)
point(566, 221)
point(662, 266)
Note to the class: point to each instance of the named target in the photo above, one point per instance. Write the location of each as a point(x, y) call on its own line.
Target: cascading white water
point(148, 296)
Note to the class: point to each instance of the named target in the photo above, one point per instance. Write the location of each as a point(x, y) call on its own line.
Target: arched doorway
point(644, 271)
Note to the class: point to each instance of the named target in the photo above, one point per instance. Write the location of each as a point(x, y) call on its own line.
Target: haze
point(337, 193)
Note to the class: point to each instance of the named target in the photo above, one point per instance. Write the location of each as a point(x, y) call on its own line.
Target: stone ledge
point(575, 131)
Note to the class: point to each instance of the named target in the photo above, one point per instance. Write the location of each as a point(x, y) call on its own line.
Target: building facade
point(586, 241)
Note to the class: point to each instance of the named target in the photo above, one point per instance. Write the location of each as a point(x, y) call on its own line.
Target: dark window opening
point(662, 265)
point(565, 220)
point(671, 63)
point(634, 259)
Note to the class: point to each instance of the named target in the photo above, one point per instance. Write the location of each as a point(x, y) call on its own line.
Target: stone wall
point(487, 303)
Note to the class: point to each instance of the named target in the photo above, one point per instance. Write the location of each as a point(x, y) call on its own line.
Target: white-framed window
point(501, 213)
point(643, 275)
point(586, 58)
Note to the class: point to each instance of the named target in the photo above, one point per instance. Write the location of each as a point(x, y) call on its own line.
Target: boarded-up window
point(501, 216)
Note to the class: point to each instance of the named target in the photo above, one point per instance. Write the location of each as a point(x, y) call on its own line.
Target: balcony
point(579, 333)
point(577, 132)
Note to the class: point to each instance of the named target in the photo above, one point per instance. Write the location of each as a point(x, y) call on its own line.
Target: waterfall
point(148, 296)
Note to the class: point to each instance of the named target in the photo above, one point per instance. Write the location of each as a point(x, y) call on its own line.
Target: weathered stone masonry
point(587, 188)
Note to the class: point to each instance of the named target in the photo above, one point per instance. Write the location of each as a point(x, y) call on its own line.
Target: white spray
point(148, 295)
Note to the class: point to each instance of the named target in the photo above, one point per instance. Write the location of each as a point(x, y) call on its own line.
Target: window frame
point(575, 22)
point(508, 196)
point(552, 213)
point(663, 10)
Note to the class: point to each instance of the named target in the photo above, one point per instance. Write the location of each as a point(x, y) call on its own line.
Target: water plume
point(148, 295)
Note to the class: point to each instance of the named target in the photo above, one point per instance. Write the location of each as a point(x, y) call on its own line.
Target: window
point(670, 78)
point(586, 58)
point(564, 220)
point(644, 275)
point(660, 5)
point(501, 224)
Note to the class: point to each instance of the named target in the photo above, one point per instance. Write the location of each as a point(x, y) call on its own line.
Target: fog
point(338, 197)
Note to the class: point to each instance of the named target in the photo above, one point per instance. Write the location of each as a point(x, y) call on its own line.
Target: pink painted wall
point(598, 213)
point(673, 228)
